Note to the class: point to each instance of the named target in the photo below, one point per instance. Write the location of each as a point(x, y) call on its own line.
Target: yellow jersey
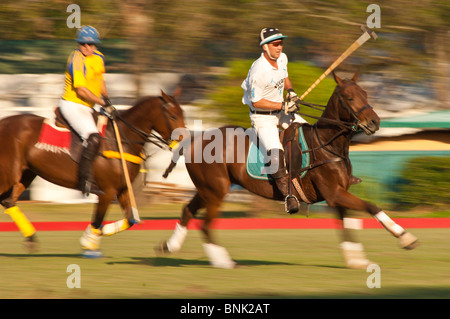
point(83, 71)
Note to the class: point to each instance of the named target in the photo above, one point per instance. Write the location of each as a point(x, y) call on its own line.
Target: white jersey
point(264, 81)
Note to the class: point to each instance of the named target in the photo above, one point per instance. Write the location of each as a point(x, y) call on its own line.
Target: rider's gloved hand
point(292, 97)
point(108, 109)
point(289, 107)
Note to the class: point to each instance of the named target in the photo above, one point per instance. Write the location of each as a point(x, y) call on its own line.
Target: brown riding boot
point(281, 178)
point(85, 167)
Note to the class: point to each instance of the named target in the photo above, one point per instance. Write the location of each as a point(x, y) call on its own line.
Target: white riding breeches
point(79, 117)
point(266, 127)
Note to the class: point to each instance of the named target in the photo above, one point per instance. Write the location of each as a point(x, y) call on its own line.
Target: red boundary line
point(243, 223)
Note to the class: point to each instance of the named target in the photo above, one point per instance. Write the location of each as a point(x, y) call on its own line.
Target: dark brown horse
point(328, 176)
point(21, 160)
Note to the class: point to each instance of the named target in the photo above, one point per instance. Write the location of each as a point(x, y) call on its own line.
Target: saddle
point(101, 121)
point(297, 162)
point(297, 157)
point(57, 136)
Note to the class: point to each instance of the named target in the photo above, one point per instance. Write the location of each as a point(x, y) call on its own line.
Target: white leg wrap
point(354, 255)
point(116, 227)
point(91, 238)
point(389, 224)
point(218, 256)
point(176, 241)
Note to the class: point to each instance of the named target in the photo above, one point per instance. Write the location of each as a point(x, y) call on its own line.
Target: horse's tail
point(169, 169)
point(177, 153)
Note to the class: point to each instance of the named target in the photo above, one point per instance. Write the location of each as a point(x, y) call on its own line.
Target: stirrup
point(285, 203)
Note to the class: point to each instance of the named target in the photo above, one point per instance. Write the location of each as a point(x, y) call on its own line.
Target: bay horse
point(21, 160)
point(327, 179)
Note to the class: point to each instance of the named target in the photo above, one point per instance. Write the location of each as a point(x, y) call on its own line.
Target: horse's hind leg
point(9, 199)
point(352, 250)
point(218, 256)
point(178, 237)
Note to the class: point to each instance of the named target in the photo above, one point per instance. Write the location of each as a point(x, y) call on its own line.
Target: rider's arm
point(287, 84)
point(266, 104)
point(104, 89)
point(87, 95)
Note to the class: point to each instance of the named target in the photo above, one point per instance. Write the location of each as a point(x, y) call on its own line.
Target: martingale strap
point(128, 157)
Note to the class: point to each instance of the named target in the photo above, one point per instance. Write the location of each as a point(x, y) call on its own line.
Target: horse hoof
point(354, 255)
point(358, 263)
point(92, 254)
point(162, 248)
point(408, 241)
point(218, 256)
point(31, 245)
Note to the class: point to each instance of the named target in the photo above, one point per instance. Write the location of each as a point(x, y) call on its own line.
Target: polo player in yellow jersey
point(85, 87)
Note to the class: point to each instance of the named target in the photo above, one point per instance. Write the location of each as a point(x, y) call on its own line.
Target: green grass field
point(272, 263)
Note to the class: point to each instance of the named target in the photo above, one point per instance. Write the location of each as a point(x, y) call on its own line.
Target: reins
point(146, 137)
point(347, 125)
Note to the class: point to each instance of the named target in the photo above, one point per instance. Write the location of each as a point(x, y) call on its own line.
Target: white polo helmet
point(270, 34)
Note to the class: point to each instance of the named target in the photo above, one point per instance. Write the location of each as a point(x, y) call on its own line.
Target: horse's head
point(353, 105)
point(162, 114)
point(168, 118)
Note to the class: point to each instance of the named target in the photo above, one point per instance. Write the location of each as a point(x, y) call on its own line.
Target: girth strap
point(297, 182)
point(314, 165)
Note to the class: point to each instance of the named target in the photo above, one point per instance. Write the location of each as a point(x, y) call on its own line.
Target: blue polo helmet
point(88, 34)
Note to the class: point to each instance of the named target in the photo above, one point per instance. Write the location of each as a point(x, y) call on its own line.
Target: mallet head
point(369, 31)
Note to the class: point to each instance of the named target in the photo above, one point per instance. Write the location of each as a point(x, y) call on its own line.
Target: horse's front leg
point(352, 249)
point(90, 240)
point(342, 198)
point(123, 224)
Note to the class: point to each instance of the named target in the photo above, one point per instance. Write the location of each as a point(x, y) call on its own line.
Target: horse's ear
point(177, 91)
point(337, 79)
point(355, 76)
point(165, 97)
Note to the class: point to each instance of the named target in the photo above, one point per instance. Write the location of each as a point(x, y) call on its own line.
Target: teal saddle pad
point(255, 159)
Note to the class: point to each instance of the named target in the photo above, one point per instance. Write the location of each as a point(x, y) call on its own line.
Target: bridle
point(346, 125)
point(355, 115)
point(150, 137)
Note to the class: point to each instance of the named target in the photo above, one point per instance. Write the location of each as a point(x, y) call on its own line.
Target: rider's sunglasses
point(277, 43)
point(88, 44)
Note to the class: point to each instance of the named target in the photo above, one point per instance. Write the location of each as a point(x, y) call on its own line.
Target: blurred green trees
point(425, 181)
point(413, 43)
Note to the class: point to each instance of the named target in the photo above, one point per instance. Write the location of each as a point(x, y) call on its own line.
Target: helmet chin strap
point(266, 48)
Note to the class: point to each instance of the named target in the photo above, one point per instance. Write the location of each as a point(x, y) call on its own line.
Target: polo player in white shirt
point(263, 92)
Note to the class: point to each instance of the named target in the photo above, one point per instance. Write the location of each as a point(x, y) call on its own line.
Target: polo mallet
point(134, 209)
point(368, 33)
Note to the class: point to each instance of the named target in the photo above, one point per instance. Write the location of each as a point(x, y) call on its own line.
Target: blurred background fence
point(209, 45)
